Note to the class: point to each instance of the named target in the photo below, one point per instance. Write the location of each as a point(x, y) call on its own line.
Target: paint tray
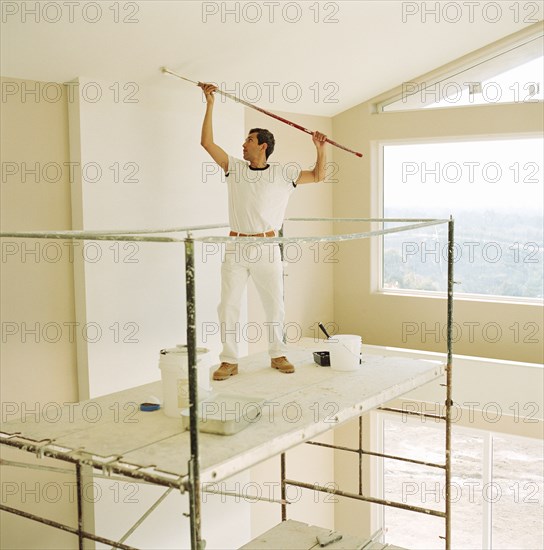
point(225, 414)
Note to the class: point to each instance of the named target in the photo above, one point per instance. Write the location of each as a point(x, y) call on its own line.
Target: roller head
point(166, 70)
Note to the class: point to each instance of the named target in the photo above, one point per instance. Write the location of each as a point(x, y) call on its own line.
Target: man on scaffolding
point(258, 193)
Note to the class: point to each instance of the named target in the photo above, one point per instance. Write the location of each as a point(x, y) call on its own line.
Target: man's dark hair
point(264, 136)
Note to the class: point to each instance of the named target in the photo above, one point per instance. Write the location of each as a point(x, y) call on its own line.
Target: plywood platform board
point(293, 408)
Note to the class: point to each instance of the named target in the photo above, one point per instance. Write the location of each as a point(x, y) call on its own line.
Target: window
point(494, 191)
point(497, 487)
point(514, 74)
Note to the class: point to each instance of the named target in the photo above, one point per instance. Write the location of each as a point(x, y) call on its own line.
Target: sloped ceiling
point(307, 57)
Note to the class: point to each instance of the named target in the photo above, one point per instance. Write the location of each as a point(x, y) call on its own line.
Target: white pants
point(263, 263)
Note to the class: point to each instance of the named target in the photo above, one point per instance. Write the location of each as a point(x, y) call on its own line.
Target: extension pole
point(268, 113)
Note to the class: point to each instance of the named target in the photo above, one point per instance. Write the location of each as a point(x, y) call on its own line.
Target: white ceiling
point(363, 50)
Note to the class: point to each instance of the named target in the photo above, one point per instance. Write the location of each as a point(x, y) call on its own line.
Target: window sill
point(427, 294)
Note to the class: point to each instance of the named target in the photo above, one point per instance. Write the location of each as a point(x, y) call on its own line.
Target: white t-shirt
point(258, 197)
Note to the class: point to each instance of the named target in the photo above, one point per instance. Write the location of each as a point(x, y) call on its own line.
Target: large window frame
point(377, 486)
point(379, 206)
point(470, 72)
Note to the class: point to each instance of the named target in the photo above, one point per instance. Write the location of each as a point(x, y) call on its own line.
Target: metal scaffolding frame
point(191, 482)
point(446, 466)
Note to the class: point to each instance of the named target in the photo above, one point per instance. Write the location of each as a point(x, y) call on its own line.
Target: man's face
point(251, 147)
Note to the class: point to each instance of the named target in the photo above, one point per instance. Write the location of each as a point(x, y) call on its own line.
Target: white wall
point(35, 193)
point(37, 353)
point(136, 291)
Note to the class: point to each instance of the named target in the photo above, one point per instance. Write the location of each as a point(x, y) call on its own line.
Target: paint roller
point(265, 112)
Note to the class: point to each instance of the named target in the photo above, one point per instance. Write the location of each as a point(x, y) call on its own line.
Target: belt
point(270, 233)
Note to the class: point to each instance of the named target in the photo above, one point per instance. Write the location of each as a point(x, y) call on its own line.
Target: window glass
point(513, 76)
point(517, 492)
point(424, 486)
point(494, 191)
point(509, 493)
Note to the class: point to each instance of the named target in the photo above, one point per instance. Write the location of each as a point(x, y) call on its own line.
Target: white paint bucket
point(174, 365)
point(345, 352)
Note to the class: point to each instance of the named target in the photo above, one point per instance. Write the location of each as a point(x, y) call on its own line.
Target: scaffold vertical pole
point(360, 455)
point(283, 485)
point(449, 368)
point(194, 467)
point(79, 506)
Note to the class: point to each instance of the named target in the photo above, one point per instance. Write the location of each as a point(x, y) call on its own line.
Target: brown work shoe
point(225, 370)
point(282, 364)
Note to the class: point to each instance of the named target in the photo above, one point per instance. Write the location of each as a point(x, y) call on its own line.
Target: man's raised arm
point(318, 173)
point(206, 139)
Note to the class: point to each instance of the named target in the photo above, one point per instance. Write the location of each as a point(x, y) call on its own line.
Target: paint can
point(174, 366)
point(345, 352)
